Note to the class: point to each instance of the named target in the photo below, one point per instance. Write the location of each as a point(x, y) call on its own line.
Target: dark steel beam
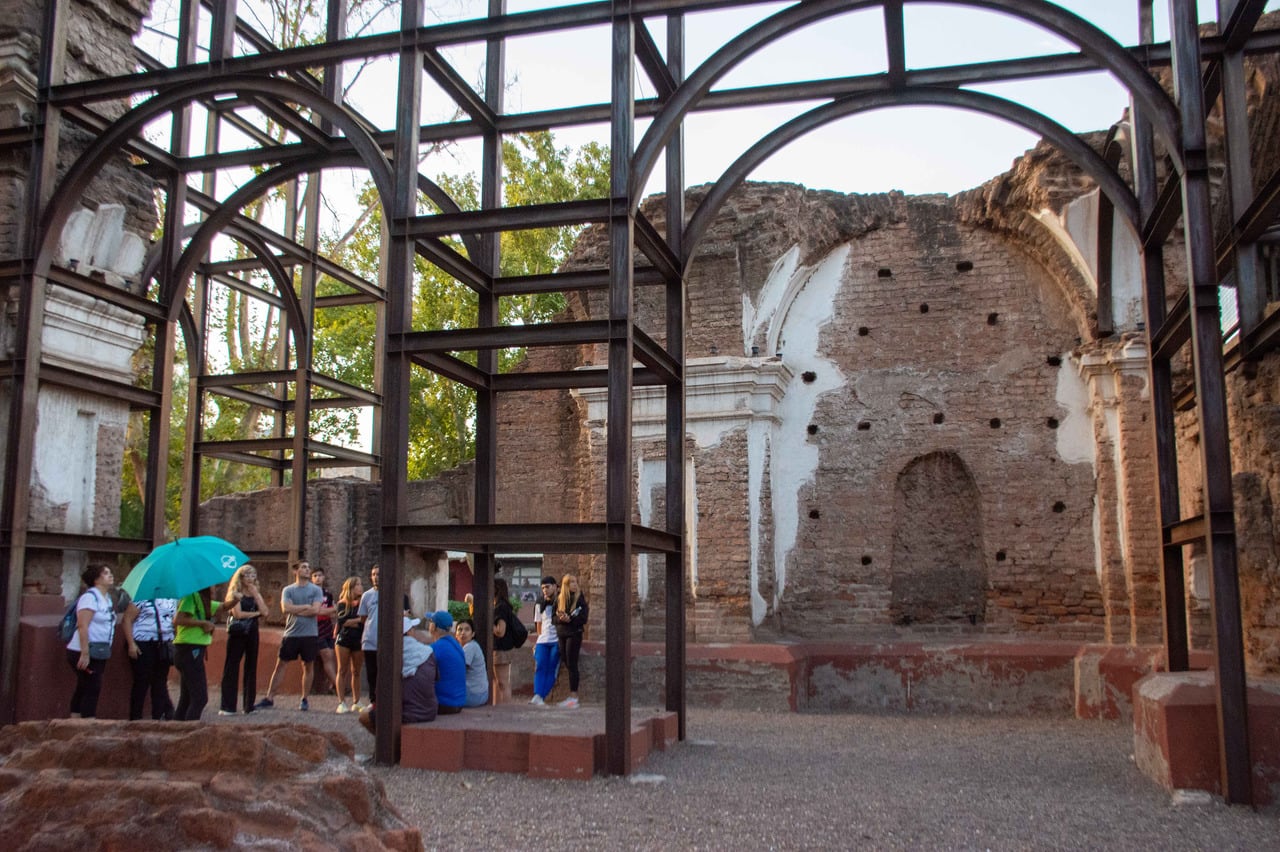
point(504, 337)
point(526, 217)
point(572, 379)
point(458, 89)
point(454, 369)
point(1242, 257)
point(123, 299)
point(1211, 410)
point(452, 263)
point(89, 543)
point(578, 279)
point(139, 399)
point(1172, 571)
point(674, 449)
point(1163, 218)
point(652, 355)
point(655, 67)
point(1173, 332)
point(550, 538)
point(895, 41)
point(623, 184)
point(344, 389)
point(649, 241)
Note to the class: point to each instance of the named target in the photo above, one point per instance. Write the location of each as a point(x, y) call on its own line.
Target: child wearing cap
point(546, 651)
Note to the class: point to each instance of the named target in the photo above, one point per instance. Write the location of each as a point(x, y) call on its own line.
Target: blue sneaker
point(264, 704)
point(303, 705)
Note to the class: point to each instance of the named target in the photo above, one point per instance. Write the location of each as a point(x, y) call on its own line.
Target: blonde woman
point(350, 625)
point(571, 618)
point(246, 605)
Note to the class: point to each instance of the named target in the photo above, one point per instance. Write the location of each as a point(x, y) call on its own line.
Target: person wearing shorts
point(325, 632)
point(300, 601)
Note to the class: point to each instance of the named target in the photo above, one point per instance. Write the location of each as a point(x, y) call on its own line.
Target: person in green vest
point(193, 635)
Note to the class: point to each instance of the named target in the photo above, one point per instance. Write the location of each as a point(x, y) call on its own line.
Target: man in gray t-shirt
point(301, 602)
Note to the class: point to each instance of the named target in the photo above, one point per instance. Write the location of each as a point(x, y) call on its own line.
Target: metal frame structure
point(326, 132)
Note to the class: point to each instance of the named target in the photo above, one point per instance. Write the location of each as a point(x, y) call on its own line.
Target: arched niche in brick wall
point(938, 575)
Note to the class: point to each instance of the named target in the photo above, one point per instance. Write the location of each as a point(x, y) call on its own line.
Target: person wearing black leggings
point(571, 618)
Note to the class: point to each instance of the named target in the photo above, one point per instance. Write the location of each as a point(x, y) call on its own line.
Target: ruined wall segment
point(834, 343)
point(80, 440)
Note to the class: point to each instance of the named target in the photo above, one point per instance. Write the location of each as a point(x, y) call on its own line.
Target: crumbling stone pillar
point(1128, 542)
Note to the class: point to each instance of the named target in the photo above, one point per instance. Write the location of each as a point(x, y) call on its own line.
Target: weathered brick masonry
point(940, 453)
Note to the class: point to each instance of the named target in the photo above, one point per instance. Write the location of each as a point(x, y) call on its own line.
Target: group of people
point(159, 634)
point(342, 634)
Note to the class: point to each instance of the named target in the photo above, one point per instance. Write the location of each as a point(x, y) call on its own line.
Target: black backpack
point(67, 627)
point(517, 631)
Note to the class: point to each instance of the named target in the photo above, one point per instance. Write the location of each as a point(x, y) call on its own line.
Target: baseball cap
point(442, 620)
point(410, 623)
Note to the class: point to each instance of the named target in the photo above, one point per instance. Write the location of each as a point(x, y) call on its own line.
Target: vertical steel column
point(490, 260)
point(395, 424)
point(675, 301)
point(617, 717)
point(1235, 104)
point(1211, 408)
point(24, 387)
point(1173, 571)
point(166, 333)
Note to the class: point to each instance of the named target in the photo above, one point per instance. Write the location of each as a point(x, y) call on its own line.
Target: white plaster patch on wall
point(65, 463)
point(1075, 428)
point(708, 434)
point(794, 459)
point(1078, 234)
point(691, 523)
point(651, 475)
point(772, 296)
point(757, 452)
point(1112, 418)
point(1126, 278)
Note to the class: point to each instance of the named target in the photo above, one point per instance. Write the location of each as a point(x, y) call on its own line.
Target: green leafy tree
point(442, 413)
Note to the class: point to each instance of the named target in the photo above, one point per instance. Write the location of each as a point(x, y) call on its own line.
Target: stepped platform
point(542, 742)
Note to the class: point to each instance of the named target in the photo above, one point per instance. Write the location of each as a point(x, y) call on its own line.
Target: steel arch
point(1095, 43)
point(1080, 153)
point(131, 123)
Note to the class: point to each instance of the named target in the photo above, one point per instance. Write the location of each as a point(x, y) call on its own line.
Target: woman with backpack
point(506, 631)
point(90, 644)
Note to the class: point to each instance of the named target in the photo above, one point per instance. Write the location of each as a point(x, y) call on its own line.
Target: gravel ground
point(746, 780)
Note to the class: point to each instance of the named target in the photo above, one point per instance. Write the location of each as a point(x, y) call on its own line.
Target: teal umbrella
point(181, 567)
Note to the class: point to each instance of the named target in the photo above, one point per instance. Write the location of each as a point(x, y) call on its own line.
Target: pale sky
point(915, 149)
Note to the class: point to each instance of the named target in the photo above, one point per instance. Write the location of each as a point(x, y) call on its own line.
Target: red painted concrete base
point(542, 742)
point(1175, 733)
point(46, 681)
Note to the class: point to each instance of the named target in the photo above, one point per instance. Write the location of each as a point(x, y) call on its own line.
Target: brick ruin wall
point(929, 420)
point(116, 216)
point(1028, 531)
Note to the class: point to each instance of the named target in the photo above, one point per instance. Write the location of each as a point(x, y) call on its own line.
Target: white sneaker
point(537, 700)
point(343, 708)
point(226, 712)
point(357, 707)
point(569, 702)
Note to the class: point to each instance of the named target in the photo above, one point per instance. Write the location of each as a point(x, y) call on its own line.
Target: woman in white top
point(90, 645)
point(148, 633)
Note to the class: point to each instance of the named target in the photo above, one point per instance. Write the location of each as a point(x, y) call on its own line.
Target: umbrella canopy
point(181, 567)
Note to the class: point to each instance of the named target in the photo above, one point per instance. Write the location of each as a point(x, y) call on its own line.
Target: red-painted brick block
point(561, 756)
point(497, 751)
point(425, 747)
